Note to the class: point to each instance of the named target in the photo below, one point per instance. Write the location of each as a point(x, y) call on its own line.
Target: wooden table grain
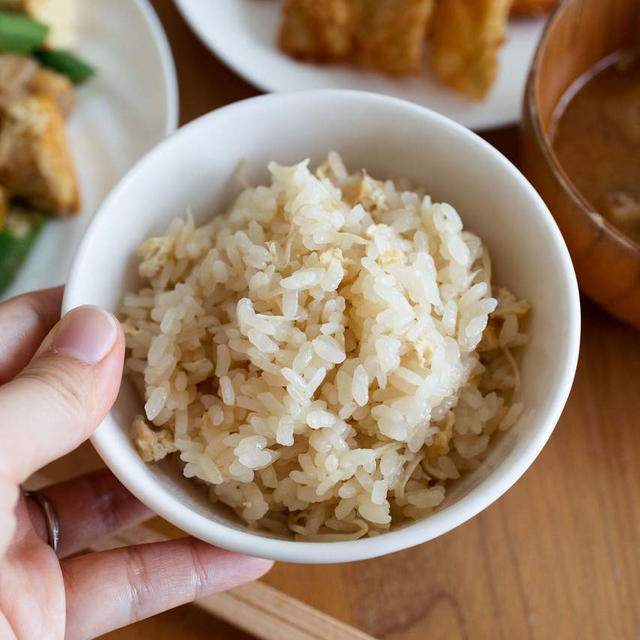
point(558, 557)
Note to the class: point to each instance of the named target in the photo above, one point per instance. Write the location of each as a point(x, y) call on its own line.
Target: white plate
point(128, 107)
point(243, 33)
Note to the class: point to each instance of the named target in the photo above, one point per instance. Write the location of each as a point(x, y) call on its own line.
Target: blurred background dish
point(126, 108)
point(244, 34)
point(582, 33)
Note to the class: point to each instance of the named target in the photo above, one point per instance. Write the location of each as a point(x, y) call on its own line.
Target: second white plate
point(243, 33)
point(127, 108)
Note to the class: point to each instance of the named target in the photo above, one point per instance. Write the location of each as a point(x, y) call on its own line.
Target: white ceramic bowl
point(191, 171)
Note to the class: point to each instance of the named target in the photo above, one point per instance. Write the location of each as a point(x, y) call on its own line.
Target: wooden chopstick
point(257, 608)
point(270, 614)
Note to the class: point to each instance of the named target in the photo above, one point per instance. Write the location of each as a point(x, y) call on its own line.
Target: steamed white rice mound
point(327, 356)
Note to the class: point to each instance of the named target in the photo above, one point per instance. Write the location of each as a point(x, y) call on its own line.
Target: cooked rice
point(327, 356)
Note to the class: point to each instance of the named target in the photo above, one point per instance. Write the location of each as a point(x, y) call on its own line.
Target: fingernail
point(86, 334)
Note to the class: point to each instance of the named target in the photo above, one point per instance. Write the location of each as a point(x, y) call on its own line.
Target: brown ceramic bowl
point(580, 33)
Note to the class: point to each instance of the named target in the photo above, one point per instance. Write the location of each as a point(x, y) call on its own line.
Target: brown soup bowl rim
point(545, 144)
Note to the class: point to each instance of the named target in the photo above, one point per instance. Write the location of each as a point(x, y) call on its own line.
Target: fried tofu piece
point(319, 30)
point(467, 35)
point(385, 35)
point(151, 444)
point(391, 34)
point(35, 159)
point(441, 444)
point(45, 82)
point(21, 75)
point(532, 7)
point(15, 72)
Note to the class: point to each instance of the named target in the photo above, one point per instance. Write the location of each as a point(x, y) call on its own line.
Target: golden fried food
point(45, 82)
point(35, 159)
point(532, 7)
point(21, 75)
point(15, 72)
point(318, 30)
point(465, 41)
point(391, 34)
point(386, 35)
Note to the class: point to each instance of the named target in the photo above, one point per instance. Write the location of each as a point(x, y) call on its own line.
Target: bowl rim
point(497, 482)
point(546, 147)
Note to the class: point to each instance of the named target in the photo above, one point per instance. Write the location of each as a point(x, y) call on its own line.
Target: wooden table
point(558, 557)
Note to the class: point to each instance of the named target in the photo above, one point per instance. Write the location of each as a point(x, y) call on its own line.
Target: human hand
point(57, 384)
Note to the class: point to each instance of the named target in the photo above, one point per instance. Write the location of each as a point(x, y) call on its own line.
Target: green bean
point(20, 34)
point(20, 231)
point(70, 65)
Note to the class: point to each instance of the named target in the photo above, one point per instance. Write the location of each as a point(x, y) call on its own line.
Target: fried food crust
point(392, 34)
point(532, 7)
point(35, 158)
point(466, 37)
point(385, 35)
point(319, 30)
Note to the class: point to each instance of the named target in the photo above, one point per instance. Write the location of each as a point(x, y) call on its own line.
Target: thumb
point(63, 394)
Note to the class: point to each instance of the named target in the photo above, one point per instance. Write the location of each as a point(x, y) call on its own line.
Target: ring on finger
point(50, 517)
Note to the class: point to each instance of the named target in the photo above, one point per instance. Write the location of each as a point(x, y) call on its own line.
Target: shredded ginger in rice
point(327, 356)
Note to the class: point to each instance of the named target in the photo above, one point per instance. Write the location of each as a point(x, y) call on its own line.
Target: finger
point(88, 508)
point(9, 496)
point(24, 322)
point(62, 395)
point(137, 582)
